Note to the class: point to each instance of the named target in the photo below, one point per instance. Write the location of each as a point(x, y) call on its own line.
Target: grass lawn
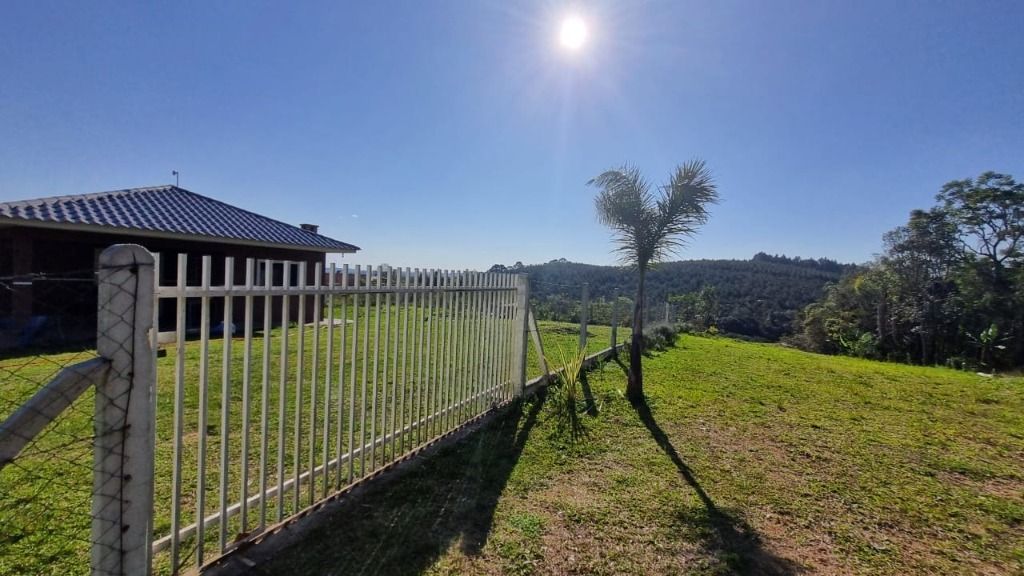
point(747, 458)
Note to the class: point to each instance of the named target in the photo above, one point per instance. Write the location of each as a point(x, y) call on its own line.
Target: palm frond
point(683, 206)
point(649, 228)
point(627, 206)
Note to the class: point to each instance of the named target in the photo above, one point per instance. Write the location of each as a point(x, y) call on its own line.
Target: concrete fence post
point(584, 315)
point(615, 320)
point(522, 327)
point(538, 344)
point(122, 508)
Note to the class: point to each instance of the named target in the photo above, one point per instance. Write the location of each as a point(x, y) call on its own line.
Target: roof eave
point(20, 222)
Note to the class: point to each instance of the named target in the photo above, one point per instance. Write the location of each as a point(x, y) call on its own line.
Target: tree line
point(948, 287)
point(759, 298)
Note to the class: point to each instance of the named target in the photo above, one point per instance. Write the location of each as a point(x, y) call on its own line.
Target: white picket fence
point(299, 389)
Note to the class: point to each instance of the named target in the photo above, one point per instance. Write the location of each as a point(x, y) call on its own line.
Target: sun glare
point(574, 33)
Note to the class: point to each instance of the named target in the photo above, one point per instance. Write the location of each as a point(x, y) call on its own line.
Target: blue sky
point(460, 134)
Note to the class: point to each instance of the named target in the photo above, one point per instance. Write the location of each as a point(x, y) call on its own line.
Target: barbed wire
point(82, 274)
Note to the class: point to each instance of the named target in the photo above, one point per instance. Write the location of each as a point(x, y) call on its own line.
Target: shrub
point(660, 337)
point(566, 396)
point(863, 346)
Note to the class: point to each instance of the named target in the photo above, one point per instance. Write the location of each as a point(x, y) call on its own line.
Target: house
point(49, 248)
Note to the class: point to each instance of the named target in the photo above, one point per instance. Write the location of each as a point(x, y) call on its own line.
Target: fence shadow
point(588, 394)
point(403, 525)
point(618, 362)
point(724, 534)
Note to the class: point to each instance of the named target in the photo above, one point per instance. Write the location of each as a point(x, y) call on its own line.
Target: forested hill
point(759, 297)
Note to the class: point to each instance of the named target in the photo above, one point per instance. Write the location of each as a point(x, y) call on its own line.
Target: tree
point(700, 309)
point(920, 258)
point(948, 288)
point(648, 226)
point(990, 213)
point(757, 298)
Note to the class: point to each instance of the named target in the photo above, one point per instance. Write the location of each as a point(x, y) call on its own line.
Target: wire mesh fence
point(604, 305)
point(598, 311)
point(46, 464)
point(75, 439)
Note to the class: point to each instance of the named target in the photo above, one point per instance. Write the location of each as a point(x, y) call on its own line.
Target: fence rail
point(33, 416)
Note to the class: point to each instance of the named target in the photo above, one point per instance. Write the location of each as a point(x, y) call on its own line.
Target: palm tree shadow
point(403, 524)
point(725, 535)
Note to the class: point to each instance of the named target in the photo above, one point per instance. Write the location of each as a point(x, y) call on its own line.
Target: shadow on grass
point(568, 417)
point(726, 537)
point(568, 410)
point(617, 359)
point(588, 395)
point(403, 525)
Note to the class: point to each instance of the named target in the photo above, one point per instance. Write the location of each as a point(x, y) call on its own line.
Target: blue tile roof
point(168, 210)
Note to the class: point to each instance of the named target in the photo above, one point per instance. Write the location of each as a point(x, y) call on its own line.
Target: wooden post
point(122, 508)
point(667, 310)
point(584, 315)
point(522, 327)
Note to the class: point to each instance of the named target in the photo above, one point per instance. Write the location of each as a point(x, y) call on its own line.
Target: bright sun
point(573, 33)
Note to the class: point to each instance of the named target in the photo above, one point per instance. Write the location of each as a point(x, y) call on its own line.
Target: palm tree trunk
point(635, 386)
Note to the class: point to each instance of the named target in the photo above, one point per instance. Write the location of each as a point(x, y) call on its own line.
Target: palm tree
point(648, 226)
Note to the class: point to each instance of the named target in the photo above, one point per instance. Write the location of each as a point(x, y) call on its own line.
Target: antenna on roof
point(175, 174)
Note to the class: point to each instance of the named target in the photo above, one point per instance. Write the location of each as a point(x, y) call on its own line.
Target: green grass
point(751, 459)
point(45, 495)
point(561, 335)
point(746, 459)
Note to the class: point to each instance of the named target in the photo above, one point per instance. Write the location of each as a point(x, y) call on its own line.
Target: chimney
point(309, 227)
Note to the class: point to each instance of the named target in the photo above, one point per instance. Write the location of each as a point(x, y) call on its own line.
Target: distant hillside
point(758, 297)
